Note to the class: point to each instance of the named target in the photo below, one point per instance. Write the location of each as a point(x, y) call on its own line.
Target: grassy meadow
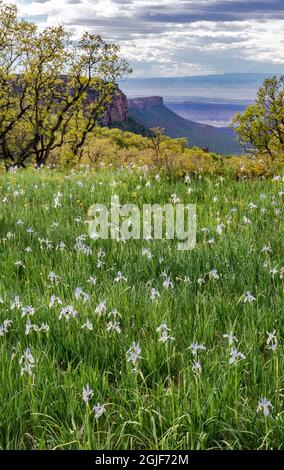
point(71, 308)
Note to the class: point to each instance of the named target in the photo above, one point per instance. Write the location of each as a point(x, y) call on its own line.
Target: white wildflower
point(101, 308)
point(92, 280)
point(213, 274)
point(68, 312)
point(28, 311)
point(168, 284)
point(197, 368)
point(163, 330)
point(87, 393)
point(54, 300)
point(133, 353)
point(248, 297)
point(272, 341)
point(114, 325)
point(120, 277)
point(16, 304)
point(87, 325)
point(235, 356)
point(230, 338)
point(154, 294)
point(98, 410)
point(195, 347)
point(4, 327)
point(27, 362)
point(264, 405)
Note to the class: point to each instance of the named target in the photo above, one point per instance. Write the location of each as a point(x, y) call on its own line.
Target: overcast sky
point(177, 37)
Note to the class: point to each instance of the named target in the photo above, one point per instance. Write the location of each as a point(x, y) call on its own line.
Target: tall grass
point(166, 403)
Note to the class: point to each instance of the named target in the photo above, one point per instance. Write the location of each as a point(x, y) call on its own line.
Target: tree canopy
point(261, 126)
point(53, 90)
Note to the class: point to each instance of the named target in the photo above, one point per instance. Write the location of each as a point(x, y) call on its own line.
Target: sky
point(170, 38)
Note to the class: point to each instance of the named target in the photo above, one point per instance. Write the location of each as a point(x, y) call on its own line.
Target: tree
point(157, 137)
point(15, 40)
point(53, 91)
point(261, 126)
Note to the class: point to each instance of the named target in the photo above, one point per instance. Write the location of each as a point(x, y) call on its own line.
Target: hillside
point(151, 112)
point(129, 125)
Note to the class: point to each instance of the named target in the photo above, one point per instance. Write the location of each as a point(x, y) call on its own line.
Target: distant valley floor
point(217, 114)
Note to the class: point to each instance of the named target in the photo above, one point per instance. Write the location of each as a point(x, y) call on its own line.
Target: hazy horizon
point(227, 87)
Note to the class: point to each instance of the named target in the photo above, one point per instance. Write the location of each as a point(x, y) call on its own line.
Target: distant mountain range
point(228, 86)
point(152, 112)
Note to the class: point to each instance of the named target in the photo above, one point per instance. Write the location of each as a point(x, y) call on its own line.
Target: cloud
point(214, 10)
point(177, 37)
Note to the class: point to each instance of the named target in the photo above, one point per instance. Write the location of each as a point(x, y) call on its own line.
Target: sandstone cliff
point(118, 111)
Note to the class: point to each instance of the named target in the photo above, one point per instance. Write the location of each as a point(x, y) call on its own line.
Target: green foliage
point(261, 127)
point(130, 125)
point(166, 405)
point(53, 91)
point(115, 148)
